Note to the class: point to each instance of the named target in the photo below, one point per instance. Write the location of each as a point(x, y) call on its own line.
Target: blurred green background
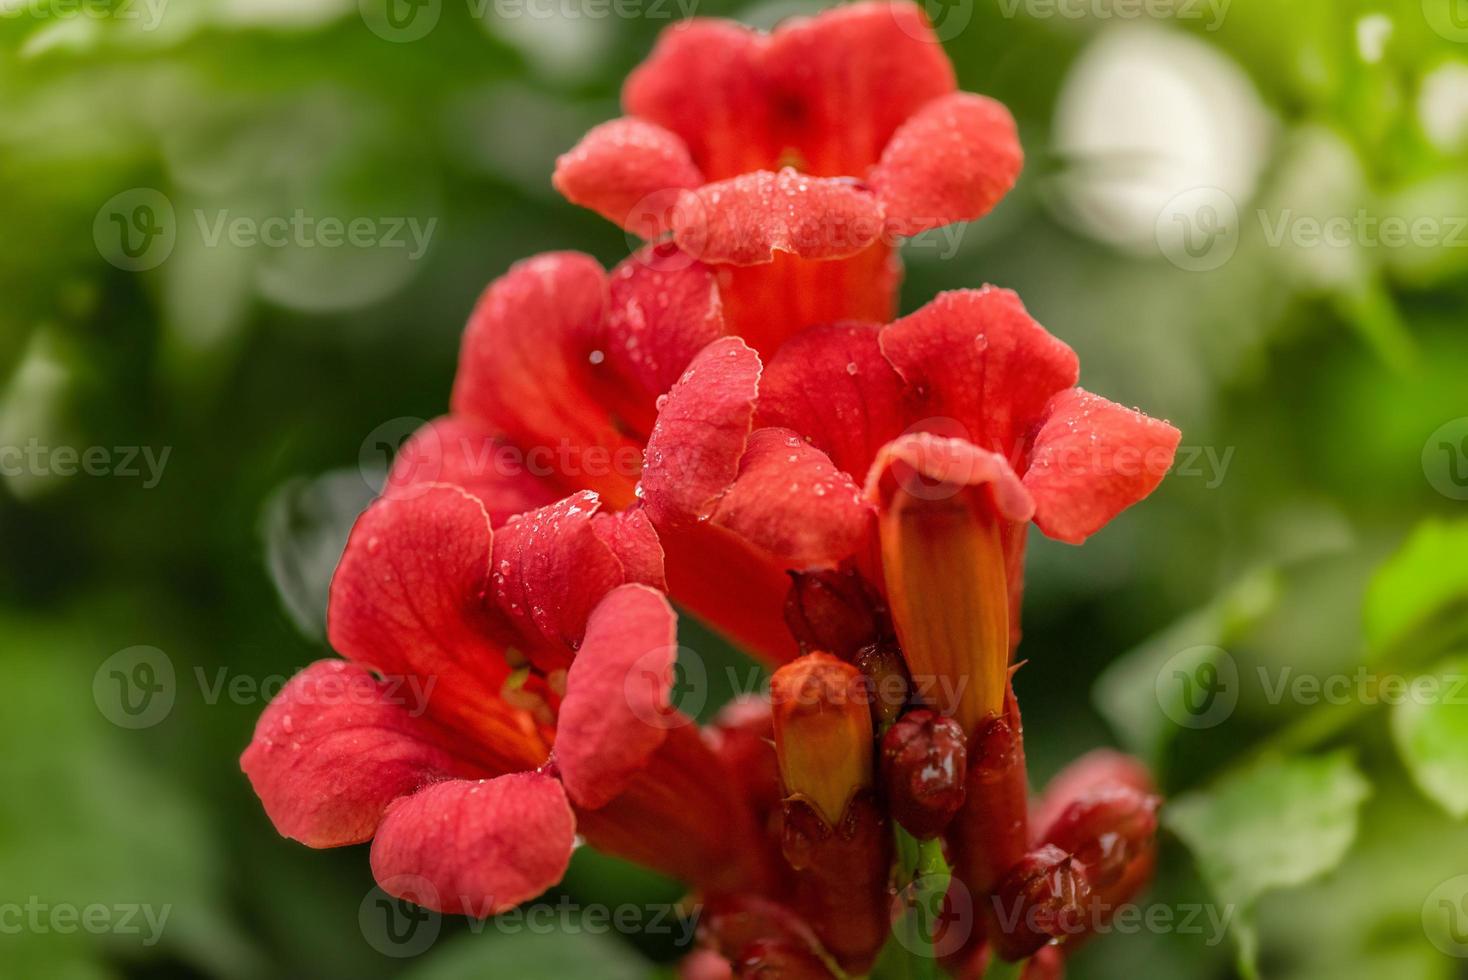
point(1249, 217)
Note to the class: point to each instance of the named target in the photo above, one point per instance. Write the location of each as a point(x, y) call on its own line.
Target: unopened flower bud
point(924, 768)
point(1106, 830)
point(1092, 771)
point(831, 612)
point(886, 675)
point(1044, 897)
point(823, 732)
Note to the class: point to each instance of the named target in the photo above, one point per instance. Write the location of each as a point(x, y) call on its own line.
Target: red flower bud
point(831, 612)
point(924, 767)
point(886, 678)
point(1045, 896)
point(1102, 767)
point(775, 959)
point(1106, 830)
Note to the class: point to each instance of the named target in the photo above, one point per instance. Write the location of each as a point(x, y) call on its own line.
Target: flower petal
point(808, 292)
point(843, 81)
point(462, 453)
point(664, 308)
point(616, 711)
point(535, 330)
point(745, 220)
point(337, 745)
point(791, 501)
point(694, 451)
point(950, 162)
point(1092, 460)
point(702, 82)
point(832, 385)
point(619, 166)
point(551, 568)
point(932, 467)
point(476, 848)
point(631, 537)
point(408, 601)
point(979, 366)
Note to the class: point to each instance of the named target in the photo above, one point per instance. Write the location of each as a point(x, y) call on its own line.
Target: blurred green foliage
point(1317, 388)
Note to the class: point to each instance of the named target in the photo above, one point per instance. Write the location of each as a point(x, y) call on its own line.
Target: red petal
point(476, 848)
point(830, 89)
point(980, 367)
point(845, 80)
point(619, 166)
point(1092, 460)
point(408, 601)
point(953, 161)
point(791, 501)
point(525, 369)
point(551, 568)
point(766, 304)
point(745, 220)
point(337, 745)
point(702, 82)
point(694, 451)
point(630, 535)
point(462, 453)
point(739, 591)
point(616, 711)
point(933, 467)
point(833, 386)
point(664, 309)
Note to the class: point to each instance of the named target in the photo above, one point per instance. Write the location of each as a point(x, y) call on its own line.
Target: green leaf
point(1419, 598)
point(1430, 728)
point(1129, 694)
point(533, 955)
point(1279, 824)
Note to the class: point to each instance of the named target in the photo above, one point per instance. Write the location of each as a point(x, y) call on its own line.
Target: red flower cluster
point(731, 417)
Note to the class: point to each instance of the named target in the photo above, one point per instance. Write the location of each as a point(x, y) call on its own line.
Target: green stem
point(923, 870)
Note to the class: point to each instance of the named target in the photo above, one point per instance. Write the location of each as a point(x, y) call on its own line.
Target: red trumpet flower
point(961, 422)
point(793, 159)
point(539, 657)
